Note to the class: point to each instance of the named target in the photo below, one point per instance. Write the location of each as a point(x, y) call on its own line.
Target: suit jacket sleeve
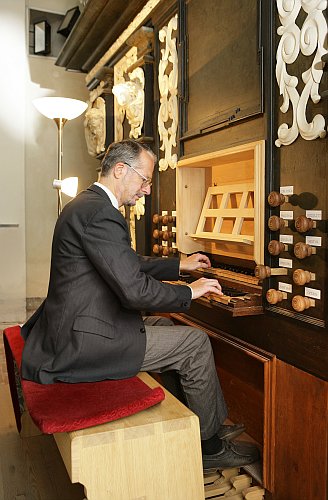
point(160, 269)
point(106, 243)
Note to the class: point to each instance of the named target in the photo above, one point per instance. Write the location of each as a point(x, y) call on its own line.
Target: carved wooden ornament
point(120, 69)
point(95, 126)
point(311, 38)
point(168, 90)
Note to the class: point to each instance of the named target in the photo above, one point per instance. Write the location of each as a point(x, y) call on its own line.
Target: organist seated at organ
point(90, 326)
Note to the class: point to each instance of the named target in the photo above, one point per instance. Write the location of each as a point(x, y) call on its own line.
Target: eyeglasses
point(146, 180)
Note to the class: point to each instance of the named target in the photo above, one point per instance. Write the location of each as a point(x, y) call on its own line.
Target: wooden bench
point(152, 454)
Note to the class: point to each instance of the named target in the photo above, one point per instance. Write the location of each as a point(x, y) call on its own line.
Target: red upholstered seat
point(63, 407)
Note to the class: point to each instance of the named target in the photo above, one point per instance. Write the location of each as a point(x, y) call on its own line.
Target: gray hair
point(124, 151)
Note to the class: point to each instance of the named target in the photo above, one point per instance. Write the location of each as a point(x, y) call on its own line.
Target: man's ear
point(119, 170)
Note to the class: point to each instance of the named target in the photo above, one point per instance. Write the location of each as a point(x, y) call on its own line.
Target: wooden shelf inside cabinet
point(220, 202)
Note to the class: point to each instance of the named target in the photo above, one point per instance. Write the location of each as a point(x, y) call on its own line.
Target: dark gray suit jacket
point(90, 327)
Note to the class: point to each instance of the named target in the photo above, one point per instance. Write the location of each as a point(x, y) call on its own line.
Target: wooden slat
point(248, 240)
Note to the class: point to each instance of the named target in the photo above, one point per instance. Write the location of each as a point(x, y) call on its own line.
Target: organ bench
point(154, 453)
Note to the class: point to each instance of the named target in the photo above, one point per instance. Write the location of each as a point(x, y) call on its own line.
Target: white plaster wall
point(28, 157)
point(12, 193)
point(56, 6)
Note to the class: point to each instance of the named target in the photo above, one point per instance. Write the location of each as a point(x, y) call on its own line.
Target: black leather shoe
point(232, 455)
point(229, 432)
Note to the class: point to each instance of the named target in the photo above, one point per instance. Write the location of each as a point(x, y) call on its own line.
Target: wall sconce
point(60, 109)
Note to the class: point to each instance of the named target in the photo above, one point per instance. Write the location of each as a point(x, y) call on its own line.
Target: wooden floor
point(30, 468)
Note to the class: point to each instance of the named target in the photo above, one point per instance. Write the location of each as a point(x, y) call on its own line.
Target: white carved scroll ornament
point(310, 38)
point(120, 70)
point(168, 89)
point(135, 105)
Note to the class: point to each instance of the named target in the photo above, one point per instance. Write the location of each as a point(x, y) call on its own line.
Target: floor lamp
point(61, 109)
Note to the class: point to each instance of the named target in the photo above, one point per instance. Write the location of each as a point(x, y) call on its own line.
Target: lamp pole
point(60, 109)
point(60, 122)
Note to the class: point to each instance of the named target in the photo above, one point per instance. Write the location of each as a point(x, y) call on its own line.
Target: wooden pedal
point(254, 493)
point(217, 483)
point(217, 489)
point(211, 477)
point(239, 483)
point(238, 496)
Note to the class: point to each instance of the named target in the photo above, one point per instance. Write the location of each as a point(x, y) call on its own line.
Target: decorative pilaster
point(168, 89)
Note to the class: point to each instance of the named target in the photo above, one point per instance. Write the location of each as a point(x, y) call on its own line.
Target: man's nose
point(146, 190)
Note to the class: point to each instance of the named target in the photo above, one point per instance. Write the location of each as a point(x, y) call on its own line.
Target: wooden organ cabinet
point(236, 111)
point(259, 212)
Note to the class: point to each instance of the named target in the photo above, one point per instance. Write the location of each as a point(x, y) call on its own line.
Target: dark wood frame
point(68, 22)
point(230, 117)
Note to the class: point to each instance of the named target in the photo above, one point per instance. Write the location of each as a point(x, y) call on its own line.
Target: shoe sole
point(233, 434)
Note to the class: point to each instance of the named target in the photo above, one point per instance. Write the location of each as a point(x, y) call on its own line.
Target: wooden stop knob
point(275, 223)
point(157, 234)
point(274, 296)
point(157, 249)
point(167, 219)
point(300, 303)
point(168, 250)
point(262, 272)
point(302, 250)
point(300, 277)
point(303, 224)
point(275, 199)
point(167, 235)
point(275, 247)
point(157, 218)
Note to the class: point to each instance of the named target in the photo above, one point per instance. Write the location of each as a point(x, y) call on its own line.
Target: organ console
point(269, 346)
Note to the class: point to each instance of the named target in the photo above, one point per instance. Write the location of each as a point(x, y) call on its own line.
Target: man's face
point(134, 181)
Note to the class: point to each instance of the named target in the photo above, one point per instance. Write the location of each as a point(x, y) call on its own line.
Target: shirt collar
point(110, 195)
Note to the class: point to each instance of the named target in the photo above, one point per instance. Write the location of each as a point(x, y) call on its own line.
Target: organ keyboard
point(242, 292)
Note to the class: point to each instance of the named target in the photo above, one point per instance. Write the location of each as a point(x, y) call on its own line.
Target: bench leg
point(160, 461)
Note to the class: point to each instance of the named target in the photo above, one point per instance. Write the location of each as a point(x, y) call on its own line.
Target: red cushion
point(63, 407)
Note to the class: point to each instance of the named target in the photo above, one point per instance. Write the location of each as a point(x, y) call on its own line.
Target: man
point(90, 327)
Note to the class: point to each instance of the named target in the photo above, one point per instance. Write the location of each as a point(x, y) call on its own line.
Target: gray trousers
point(188, 351)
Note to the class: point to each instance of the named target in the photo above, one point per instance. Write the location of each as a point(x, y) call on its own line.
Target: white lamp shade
point(67, 186)
point(60, 107)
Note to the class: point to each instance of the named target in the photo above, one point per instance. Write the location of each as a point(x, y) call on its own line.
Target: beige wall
point(28, 158)
point(12, 131)
point(41, 164)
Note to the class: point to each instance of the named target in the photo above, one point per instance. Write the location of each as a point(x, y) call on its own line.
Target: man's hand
point(203, 286)
point(195, 261)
